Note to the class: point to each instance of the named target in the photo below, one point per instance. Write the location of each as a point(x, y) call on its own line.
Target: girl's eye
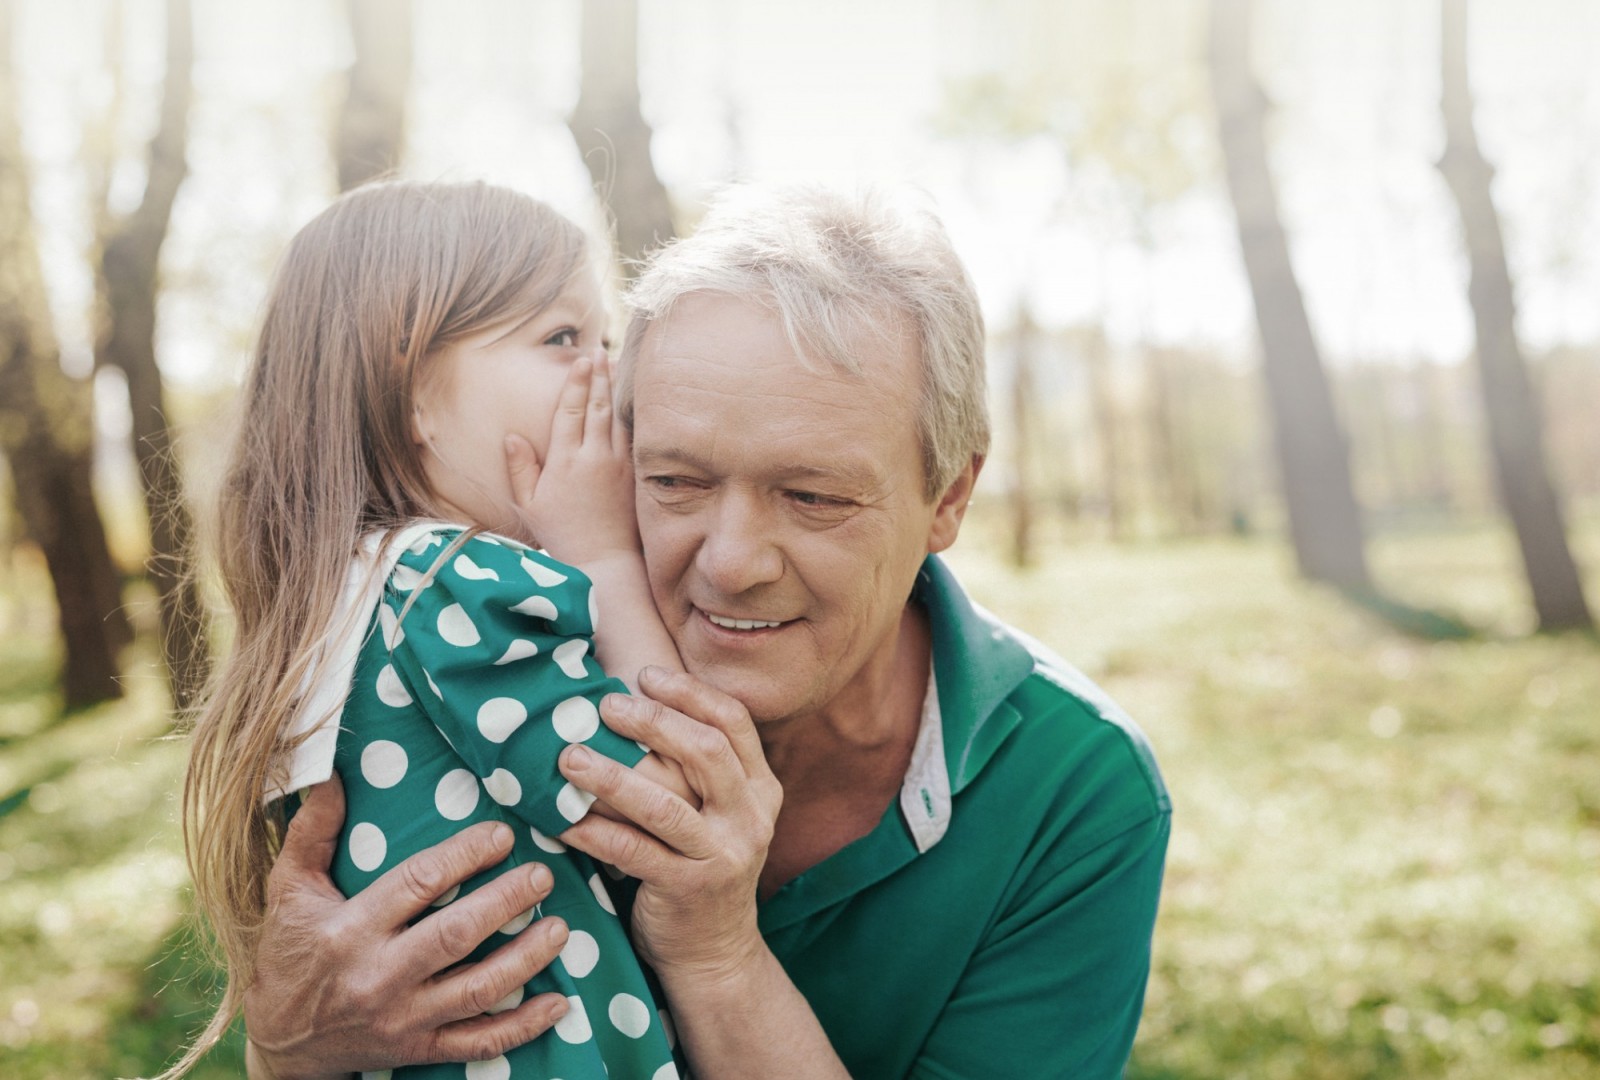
point(566, 337)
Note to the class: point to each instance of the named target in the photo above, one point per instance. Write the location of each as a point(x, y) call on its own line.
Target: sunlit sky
point(846, 91)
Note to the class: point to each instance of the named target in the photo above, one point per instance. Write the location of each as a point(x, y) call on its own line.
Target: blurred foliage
point(1382, 861)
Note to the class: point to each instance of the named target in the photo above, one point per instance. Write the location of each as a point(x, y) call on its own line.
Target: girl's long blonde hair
point(367, 292)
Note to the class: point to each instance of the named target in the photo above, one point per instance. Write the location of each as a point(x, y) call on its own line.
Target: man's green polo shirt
point(997, 922)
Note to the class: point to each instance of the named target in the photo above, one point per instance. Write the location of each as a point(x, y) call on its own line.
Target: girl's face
point(498, 382)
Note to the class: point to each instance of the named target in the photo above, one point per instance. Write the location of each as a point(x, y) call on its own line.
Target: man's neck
point(842, 767)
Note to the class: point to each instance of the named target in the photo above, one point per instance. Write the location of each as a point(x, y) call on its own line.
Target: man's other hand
point(343, 985)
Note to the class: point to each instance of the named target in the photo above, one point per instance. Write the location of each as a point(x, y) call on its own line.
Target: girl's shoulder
point(442, 563)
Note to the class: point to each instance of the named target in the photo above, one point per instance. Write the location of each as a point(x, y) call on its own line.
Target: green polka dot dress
point(456, 712)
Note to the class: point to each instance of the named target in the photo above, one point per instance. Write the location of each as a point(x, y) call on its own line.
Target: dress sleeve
point(495, 650)
point(1058, 985)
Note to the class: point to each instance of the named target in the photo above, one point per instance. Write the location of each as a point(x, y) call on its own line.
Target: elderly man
point(962, 878)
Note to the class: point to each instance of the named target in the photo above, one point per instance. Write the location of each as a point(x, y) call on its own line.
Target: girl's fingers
point(598, 422)
point(566, 429)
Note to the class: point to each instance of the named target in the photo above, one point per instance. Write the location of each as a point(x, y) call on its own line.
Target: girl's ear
point(421, 426)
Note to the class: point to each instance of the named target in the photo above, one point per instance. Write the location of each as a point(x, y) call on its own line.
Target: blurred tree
point(47, 434)
point(370, 136)
point(1515, 428)
point(130, 254)
point(1110, 88)
point(1313, 456)
point(612, 134)
point(1023, 406)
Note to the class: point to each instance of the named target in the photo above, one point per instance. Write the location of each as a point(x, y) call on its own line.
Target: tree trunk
point(47, 435)
point(1515, 428)
point(129, 261)
point(370, 137)
point(1313, 456)
point(611, 132)
point(1103, 403)
point(1022, 409)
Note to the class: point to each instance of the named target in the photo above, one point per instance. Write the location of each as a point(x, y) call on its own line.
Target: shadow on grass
point(1425, 623)
point(174, 1000)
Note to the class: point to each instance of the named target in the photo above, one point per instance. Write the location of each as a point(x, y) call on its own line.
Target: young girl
point(395, 622)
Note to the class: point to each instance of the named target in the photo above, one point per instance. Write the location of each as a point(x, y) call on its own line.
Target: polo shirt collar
point(978, 662)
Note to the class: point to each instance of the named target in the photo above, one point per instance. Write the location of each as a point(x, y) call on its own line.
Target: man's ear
point(952, 508)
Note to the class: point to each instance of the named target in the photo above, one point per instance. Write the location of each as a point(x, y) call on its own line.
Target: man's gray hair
point(845, 274)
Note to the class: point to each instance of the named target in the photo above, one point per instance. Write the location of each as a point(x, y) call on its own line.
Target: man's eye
point(813, 500)
point(566, 337)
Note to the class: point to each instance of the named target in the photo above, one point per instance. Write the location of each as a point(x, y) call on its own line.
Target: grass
point(1384, 858)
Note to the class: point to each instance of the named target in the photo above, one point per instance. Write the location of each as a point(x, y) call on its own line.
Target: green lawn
point(1385, 858)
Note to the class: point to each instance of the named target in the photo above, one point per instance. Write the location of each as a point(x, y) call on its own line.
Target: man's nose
point(739, 550)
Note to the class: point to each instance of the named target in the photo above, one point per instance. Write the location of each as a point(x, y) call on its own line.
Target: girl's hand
point(578, 502)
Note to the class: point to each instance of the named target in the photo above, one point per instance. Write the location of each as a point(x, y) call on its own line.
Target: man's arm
point(735, 1009)
point(344, 985)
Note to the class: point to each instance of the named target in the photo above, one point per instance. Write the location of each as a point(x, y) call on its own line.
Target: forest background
point(1294, 315)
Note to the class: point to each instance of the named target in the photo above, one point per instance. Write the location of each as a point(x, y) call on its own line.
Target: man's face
point(782, 508)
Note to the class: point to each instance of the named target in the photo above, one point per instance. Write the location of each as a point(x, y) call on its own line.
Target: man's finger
point(659, 812)
point(309, 842)
point(690, 696)
point(446, 936)
point(480, 1038)
point(422, 878)
point(627, 847)
point(705, 754)
point(495, 983)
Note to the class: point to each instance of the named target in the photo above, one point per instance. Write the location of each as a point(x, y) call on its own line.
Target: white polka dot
point(432, 687)
point(539, 607)
point(391, 691)
point(457, 794)
point(383, 763)
point(499, 717)
point(367, 846)
point(456, 628)
point(542, 575)
point(390, 624)
point(668, 1028)
point(669, 1071)
point(576, 719)
point(520, 649)
point(601, 896)
point(546, 843)
point(519, 923)
point(455, 891)
point(573, 802)
point(507, 1003)
point(574, 1026)
point(405, 579)
point(629, 1015)
point(503, 787)
point(569, 657)
point(493, 1069)
point(472, 571)
point(594, 614)
point(581, 954)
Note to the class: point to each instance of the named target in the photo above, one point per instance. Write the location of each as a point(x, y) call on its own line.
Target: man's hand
point(344, 985)
point(698, 867)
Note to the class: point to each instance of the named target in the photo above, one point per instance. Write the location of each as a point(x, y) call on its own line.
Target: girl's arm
point(578, 505)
